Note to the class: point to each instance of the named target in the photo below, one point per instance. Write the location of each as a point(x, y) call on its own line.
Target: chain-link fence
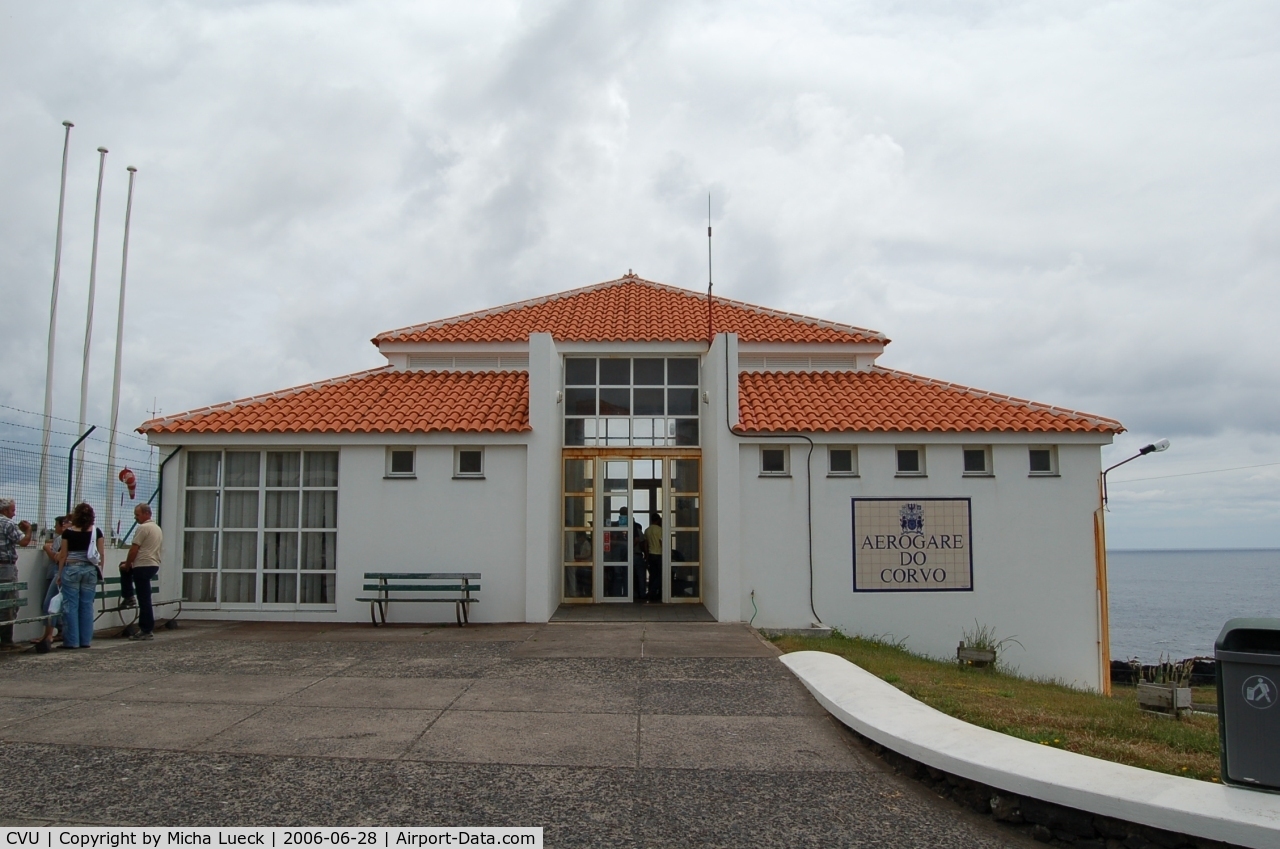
point(20, 434)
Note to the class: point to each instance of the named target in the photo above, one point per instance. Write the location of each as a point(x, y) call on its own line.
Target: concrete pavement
point(606, 734)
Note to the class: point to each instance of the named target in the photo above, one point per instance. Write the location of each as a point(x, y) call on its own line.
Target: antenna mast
point(710, 332)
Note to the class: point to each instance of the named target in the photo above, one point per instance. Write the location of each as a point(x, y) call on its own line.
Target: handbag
point(92, 551)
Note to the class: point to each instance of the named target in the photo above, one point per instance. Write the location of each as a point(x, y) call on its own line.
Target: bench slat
point(420, 588)
point(446, 600)
point(13, 587)
point(422, 576)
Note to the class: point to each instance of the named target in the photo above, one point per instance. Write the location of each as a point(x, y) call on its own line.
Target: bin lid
point(1257, 635)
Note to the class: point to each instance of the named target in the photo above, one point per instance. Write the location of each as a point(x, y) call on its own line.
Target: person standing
point(653, 554)
point(140, 567)
point(51, 549)
point(83, 550)
point(12, 535)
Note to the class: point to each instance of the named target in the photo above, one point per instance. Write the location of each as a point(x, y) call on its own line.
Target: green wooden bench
point(458, 585)
point(109, 597)
point(12, 604)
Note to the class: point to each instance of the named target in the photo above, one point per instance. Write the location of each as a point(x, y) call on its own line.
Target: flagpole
point(53, 332)
point(115, 388)
point(88, 326)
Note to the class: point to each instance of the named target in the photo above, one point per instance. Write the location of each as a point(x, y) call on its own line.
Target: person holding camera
point(12, 535)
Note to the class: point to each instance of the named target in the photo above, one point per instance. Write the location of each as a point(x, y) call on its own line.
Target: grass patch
point(1050, 714)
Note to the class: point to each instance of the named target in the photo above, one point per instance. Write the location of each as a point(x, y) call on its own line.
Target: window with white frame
point(977, 461)
point(842, 461)
point(775, 461)
point(622, 401)
point(1042, 460)
point(401, 462)
point(910, 461)
point(260, 528)
point(468, 463)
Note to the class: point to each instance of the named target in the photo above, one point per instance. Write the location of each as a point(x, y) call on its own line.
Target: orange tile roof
point(629, 309)
point(377, 401)
point(886, 400)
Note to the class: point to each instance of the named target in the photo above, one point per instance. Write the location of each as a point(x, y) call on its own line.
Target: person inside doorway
point(637, 554)
point(653, 558)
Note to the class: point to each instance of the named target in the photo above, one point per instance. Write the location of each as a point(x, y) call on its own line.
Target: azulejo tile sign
point(912, 545)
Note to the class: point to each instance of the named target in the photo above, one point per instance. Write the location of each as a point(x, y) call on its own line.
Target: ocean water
point(1176, 602)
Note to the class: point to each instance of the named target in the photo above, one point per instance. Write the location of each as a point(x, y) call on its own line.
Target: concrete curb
point(884, 714)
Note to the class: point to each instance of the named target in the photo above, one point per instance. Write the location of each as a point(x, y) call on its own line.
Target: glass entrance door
point(632, 529)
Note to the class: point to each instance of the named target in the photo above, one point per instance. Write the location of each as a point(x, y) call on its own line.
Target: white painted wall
point(429, 523)
point(1033, 556)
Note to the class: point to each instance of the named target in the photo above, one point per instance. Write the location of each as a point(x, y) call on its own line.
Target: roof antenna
point(710, 333)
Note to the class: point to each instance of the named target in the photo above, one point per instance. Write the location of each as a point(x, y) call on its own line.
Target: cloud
point(1073, 203)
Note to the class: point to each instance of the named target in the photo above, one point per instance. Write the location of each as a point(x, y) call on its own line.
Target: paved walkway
point(635, 734)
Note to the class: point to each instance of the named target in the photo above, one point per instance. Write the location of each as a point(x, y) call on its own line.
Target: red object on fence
point(129, 479)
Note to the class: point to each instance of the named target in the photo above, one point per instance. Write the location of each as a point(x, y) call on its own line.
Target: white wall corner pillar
point(542, 482)
point(722, 570)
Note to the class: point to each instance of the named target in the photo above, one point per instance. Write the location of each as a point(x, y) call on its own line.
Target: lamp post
point(1155, 447)
point(1100, 559)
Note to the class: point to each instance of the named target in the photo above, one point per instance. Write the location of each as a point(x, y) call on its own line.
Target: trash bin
point(1248, 656)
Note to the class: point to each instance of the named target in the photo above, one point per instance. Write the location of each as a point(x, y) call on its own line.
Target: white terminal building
point(795, 480)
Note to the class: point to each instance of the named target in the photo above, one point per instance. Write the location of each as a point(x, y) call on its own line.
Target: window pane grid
point(618, 401)
point(261, 527)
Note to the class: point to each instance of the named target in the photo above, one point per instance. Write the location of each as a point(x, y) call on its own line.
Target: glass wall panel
point(281, 510)
point(615, 372)
point(577, 547)
point(202, 509)
point(615, 402)
point(319, 552)
point(682, 372)
point(580, 402)
point(684, 547)
point(319, 508)
point(200, 586)
point(280, 588)
point(240, 551)
point(573, 432)
point(579, 475)
point(648, 402)
point(202, 468)
point(686, 511)
point(237, 587)
point(578, 512)
point(283, 468)
point(242, 468)
point(317, 589)
point(199, 550)
point(579, 371)
point(280, 550)
point(649, 372)
point(682, 402)
point(321, 468)
point(686, 431)
point(684, 475)
point(578, 581)
point(239, 508)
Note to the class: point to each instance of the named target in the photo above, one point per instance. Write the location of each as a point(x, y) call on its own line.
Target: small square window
point(1042, 460)
point(400, 462)
point(977, 460)
point(910, 461)
point(842, 461)
point(774, 462)
point(468, 463)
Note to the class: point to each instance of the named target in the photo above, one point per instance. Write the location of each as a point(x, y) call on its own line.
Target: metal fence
point(20, 433)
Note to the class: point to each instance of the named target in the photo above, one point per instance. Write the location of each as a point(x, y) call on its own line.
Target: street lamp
point(1158, 445)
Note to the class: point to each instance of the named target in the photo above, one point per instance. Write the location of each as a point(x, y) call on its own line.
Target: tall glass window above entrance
point(623, 401)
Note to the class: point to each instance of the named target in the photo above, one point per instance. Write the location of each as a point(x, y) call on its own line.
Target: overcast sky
point(1074, 202)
